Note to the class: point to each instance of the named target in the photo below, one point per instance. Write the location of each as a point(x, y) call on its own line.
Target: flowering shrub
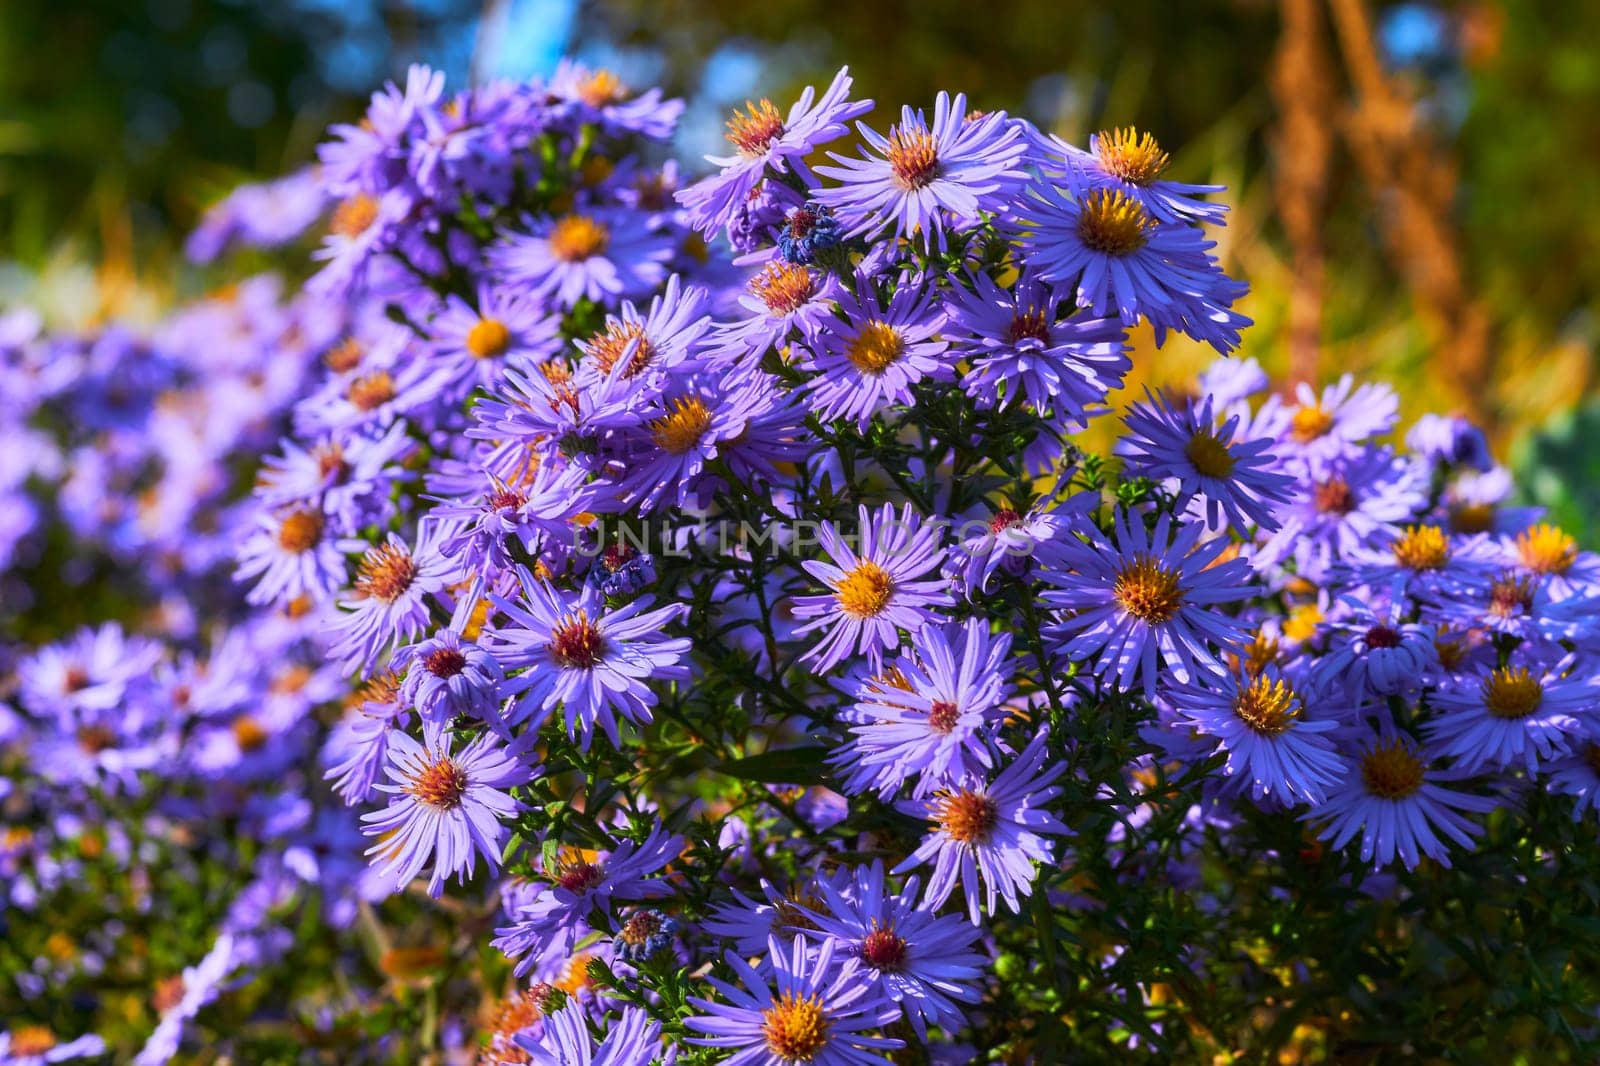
point(695, 602)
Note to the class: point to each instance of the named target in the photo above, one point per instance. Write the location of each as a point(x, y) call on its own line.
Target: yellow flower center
point(1302, 622)
point(753, 130)
point(784, 287)
point(488, 339)
point(682, 427)
point(795, 1029)
point(1422, 548)
point(1391, 771)
point(967, 817)
point(1209, 455)
point(575, 238)
point(601, 88)
point(1269, 707)
point(248, 733)
point(864, 591)
point(352, 217)
point(440, 784)
point(1545, 549)
point(1114, 223)
point(300, 531)
point(608, 347)
point(1512, 693)
point(875, 348)
point(1134, 157)
point(914, 158)
point(386, 572)
point(1309, 422)
point(1147, 590)
point(372, 391)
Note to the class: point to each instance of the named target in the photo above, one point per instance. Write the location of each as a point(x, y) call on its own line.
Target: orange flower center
point(300, 531)
point(609, 347)
point(1334, 496)
point(753, 130)
point(876, 348)
point(386, 572)
point(795, 1029)
point(1310, 422)
point(682, 427)
point(440, 784)
point(344, 356)
point(444, 662)
point(784, 287)
point(1545, 549)
point(967, 817)
point(864, 591)
point(914, 158)
point(488, 339)
point(1113, 223)
point(1134, 157)
point(575, 238)
point(576, 644)
point(1147, 590)
point(248, 733)
point(1422, 548)
point(352, 217)
point(1392, 771)
point(372, 391)
point(601, 88)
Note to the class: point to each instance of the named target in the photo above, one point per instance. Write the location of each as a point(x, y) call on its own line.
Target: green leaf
point(786, 766)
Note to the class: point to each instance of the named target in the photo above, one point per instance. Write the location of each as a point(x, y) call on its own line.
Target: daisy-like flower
point(1372, 651)
point(1260, 722)
point(581, 885)
point(1343, 504)
point(1228, 472)
point(1524, 711)
point(653, 343)
point(872, 357)
point(1021, 350)
point(289, 556)
point(987, 836)
point(603, 254)
point(448, 676)
point(1122, 260)
point(1391, 798)
point(446, 809)
point(1009, 540)
point(483, 530)
point(592, 662)
point(565, 1040)
point(1145, 599)
point(813, 1011)
point(959, 166)
point(1327, 424)
point(783, 300)
point(474, 344)
point(1132, 163)
point(388, 604)
point(585, 95)
point(765, 137)
point(1550, 556)
point(931, 718)
point(875, 589)
point(922, 961)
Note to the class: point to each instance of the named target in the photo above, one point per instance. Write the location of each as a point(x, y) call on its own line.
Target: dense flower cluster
point(730, 610)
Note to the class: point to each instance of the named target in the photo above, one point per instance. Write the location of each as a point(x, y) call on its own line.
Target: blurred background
point(1413, 183)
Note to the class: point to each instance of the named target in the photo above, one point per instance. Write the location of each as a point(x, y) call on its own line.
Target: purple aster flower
point(875, 591)
point(912, 179)
point(1020, 350)
point(930, 721)
point(594, 662)
point(579, 887)
point(370, 156)
point(1228, 472)
point(481, 531)
point(784, 299)
point(358, 745)
point(1577, 774)
point(388, 603)
point(1260, 722)
point(913, 957)
point(1549, 556)
point(449, 676)
point(1390, 796)
point(86, 675)
point(446, 809)
point(345, 477)
point(1342, 504)
point(475, 344)
point(816, 1014)
point(1450, 440)
point(764, 137)
point(650, 345)
point(602, 254)
point(564, 1039)
point(988, 835)
point(1372, 651)
point(1131, 163)
point(1145, 599)
point(1333, 423)
point(587, 96)
point(1523, 711)
point(289, 557)
point(1119, 258)
point(1008, 541)
point(872, 357)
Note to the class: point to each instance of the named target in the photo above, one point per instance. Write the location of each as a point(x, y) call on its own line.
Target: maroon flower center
point(445, 662)
point(884, 949)
point(943, 716)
